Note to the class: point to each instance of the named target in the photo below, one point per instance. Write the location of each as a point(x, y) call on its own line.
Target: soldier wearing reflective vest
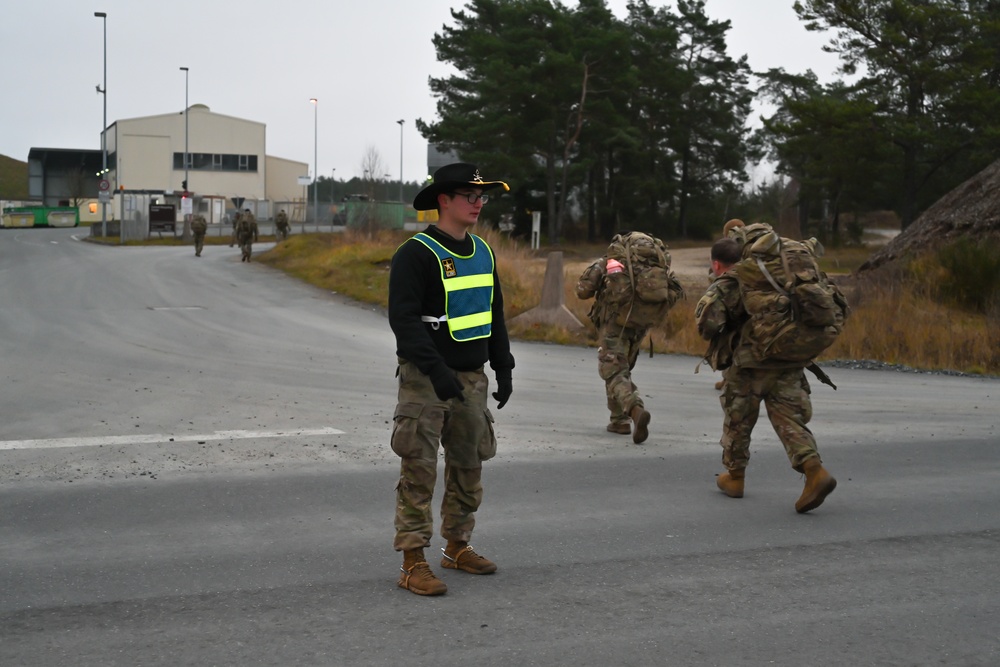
point(446, 311)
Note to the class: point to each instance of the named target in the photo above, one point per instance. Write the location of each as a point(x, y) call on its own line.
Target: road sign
point(104, 185)
point(104, 196)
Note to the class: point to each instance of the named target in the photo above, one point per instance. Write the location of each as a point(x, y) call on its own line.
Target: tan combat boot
point(461, 556)
point(640, 417)
point(416, 576)
point(819, 484)
point(731, 483)
point(622, 428)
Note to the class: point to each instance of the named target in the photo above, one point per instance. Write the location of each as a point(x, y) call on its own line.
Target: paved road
point(194, 470)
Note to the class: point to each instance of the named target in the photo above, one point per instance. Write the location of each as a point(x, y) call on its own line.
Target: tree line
point(642, 122)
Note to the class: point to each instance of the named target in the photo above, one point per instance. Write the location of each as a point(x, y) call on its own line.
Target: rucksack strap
point(770, 278)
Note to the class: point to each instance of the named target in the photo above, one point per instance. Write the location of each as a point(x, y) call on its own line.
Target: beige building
point(226, 161)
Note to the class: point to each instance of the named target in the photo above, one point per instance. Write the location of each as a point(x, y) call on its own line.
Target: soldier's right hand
point(446, 384)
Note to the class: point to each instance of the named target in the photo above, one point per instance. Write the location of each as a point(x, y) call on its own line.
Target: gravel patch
point(872, 365)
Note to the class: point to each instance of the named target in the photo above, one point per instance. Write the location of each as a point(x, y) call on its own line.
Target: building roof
point(194, 108)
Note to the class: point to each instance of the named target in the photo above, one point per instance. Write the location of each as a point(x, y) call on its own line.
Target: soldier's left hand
point(505, 388)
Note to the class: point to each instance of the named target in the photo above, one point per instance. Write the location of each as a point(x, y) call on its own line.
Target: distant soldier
point(246, 233)
point(198, 227)
point(281, 225)
point(633, 288)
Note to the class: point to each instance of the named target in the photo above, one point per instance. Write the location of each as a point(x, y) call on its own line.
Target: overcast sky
point(367, 61)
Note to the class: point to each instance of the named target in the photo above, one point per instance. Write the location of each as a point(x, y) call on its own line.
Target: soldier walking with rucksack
point(246, 233)
point(633, 288)
point(767, 318)
point(199, 227)
point(281, 225)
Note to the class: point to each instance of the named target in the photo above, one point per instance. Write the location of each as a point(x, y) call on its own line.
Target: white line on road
point(160, 437)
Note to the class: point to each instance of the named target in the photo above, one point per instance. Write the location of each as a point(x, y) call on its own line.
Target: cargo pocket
point(488, 442)
point(405, 428)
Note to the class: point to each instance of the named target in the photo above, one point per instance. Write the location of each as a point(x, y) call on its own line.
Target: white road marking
point(112, 440)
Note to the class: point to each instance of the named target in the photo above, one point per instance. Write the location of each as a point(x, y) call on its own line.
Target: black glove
point(504, 388)
point(446, 384)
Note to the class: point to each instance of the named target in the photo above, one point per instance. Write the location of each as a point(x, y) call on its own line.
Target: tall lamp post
point(315, 103)
point(186, 234)
point(400, 121)
point(333, 185)
point(104, 140)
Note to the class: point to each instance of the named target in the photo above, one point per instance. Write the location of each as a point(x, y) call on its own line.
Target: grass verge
point(894, 321)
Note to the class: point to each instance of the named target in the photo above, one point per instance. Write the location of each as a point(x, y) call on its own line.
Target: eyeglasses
point(471, 197)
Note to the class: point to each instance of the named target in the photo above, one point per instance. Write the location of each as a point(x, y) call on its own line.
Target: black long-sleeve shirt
point(415, 289)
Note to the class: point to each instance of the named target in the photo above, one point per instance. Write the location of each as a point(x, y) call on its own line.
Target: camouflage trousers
point(199, 242)
point(616, 358)
point(246, 245)
point(785, 392)
point(464, 430)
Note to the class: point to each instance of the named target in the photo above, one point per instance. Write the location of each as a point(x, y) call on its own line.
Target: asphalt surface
point(194, 470)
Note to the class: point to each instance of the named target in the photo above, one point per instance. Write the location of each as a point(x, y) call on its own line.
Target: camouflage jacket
point(590, 286)
point(719, 316)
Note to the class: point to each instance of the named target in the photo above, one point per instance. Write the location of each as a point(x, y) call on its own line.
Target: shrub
point(971, 273)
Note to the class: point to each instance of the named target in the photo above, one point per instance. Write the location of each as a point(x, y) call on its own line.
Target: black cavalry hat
point(449, 178)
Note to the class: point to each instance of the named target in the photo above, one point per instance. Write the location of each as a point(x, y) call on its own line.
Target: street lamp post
point(315, 103)
point(333, 184)
point(401, 121)
point(104, 140)
point(186, 234)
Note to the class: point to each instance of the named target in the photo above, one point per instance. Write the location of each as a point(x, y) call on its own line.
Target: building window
point(216, 162)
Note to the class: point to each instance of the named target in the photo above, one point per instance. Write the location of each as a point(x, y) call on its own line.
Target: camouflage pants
point(464, 430)
point(785, 392)
point(199, 242)
point(616, 358)
point(246, 244)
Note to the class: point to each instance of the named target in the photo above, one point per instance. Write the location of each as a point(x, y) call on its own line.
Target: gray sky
point(367, 61)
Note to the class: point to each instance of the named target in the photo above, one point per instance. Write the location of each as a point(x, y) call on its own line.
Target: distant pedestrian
point(199, 226)
point(246, 233)
point(281, 226)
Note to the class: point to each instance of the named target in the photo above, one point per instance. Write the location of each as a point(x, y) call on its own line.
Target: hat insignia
point(476, 178)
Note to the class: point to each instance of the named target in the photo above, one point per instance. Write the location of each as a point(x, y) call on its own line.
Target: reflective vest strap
point(469, 282)
point(470, 321)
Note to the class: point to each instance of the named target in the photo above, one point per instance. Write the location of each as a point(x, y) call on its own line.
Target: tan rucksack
point(795, 311)
point(642, 293)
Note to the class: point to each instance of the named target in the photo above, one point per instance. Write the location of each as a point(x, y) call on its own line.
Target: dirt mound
point(970, 210)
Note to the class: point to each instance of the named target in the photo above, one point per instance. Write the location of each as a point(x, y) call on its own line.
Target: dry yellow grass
point(892, 324)
point(896, 324)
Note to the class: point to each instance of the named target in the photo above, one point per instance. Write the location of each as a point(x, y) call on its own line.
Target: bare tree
point(76, 185)
point(373, 168)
